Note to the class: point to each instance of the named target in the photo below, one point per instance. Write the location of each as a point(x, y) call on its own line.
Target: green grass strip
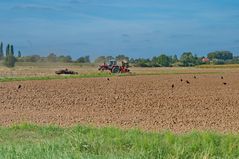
point(95, 75)
point(31, 141)
point(11, 79)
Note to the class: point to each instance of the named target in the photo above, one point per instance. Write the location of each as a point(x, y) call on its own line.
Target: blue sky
point(137, 28)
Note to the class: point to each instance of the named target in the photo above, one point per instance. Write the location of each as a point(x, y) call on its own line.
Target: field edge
point(97, 75)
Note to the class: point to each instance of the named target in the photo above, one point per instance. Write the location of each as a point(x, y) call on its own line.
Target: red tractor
point(114, 68)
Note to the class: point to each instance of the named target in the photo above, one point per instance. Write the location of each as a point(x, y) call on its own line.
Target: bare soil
point(145, 102)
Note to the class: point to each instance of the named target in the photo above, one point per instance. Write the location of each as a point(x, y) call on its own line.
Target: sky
point(136, 28)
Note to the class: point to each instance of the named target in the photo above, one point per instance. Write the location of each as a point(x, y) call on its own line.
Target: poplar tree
point(19, 54)
point(12, 50)
point(1, 51)
point(7, 49)
point(10, 59)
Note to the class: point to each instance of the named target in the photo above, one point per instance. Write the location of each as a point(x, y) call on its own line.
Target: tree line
point(186, 59)
point(54, 58)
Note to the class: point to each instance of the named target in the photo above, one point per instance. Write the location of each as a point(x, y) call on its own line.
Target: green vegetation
point(102, 59)
point(31, 141)
point(187, 59)
point(85, 59)
point(91, 75)
point(10, 59)
point(220, 55)
point(19, 54)
point(121, 58)
point(162, 60)
point(96, 75)
point(1, 51)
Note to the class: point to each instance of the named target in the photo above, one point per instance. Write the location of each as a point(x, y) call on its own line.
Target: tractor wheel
point(116, 69)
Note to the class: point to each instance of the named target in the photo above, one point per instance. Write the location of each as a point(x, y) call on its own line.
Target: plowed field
point(145, 102)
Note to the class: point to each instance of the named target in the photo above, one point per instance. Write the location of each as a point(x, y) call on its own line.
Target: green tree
point(131, 60)
point(154, 62)
point(52, 57)
point(10, 59)
point(83, 59)
point(12, 50)
point(141, 62)
point(163, 60)
point(8, 49)
point(197, 60)
point(174, 59)
point(108, 58)
point(187, 59)
point(87, 59)
point(220, 55)
point(1, 51)
point(121, 58)
point(19, 54)
point(100, 59)
point(33, 58)
point(65, 59)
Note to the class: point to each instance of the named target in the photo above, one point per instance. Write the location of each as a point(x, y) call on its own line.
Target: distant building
point(205, 59)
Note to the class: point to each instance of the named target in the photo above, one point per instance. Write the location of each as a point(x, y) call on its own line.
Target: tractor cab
point(112, 62)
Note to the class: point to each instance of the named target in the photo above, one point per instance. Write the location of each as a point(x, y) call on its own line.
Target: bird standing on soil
point(172, 86)
point(108, 79)
point(181, 80)
point(194, 77)
point(221, 77)
point(20, 86)
point(187, 82)
point(224, 83)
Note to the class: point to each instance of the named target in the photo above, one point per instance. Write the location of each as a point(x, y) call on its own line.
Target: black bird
point(20, 86)
point(195, 77)
point(221, 77)
point(187, 82)
point(224, 83)
point(108, 79)
point(172, 85)
point(181, 80)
